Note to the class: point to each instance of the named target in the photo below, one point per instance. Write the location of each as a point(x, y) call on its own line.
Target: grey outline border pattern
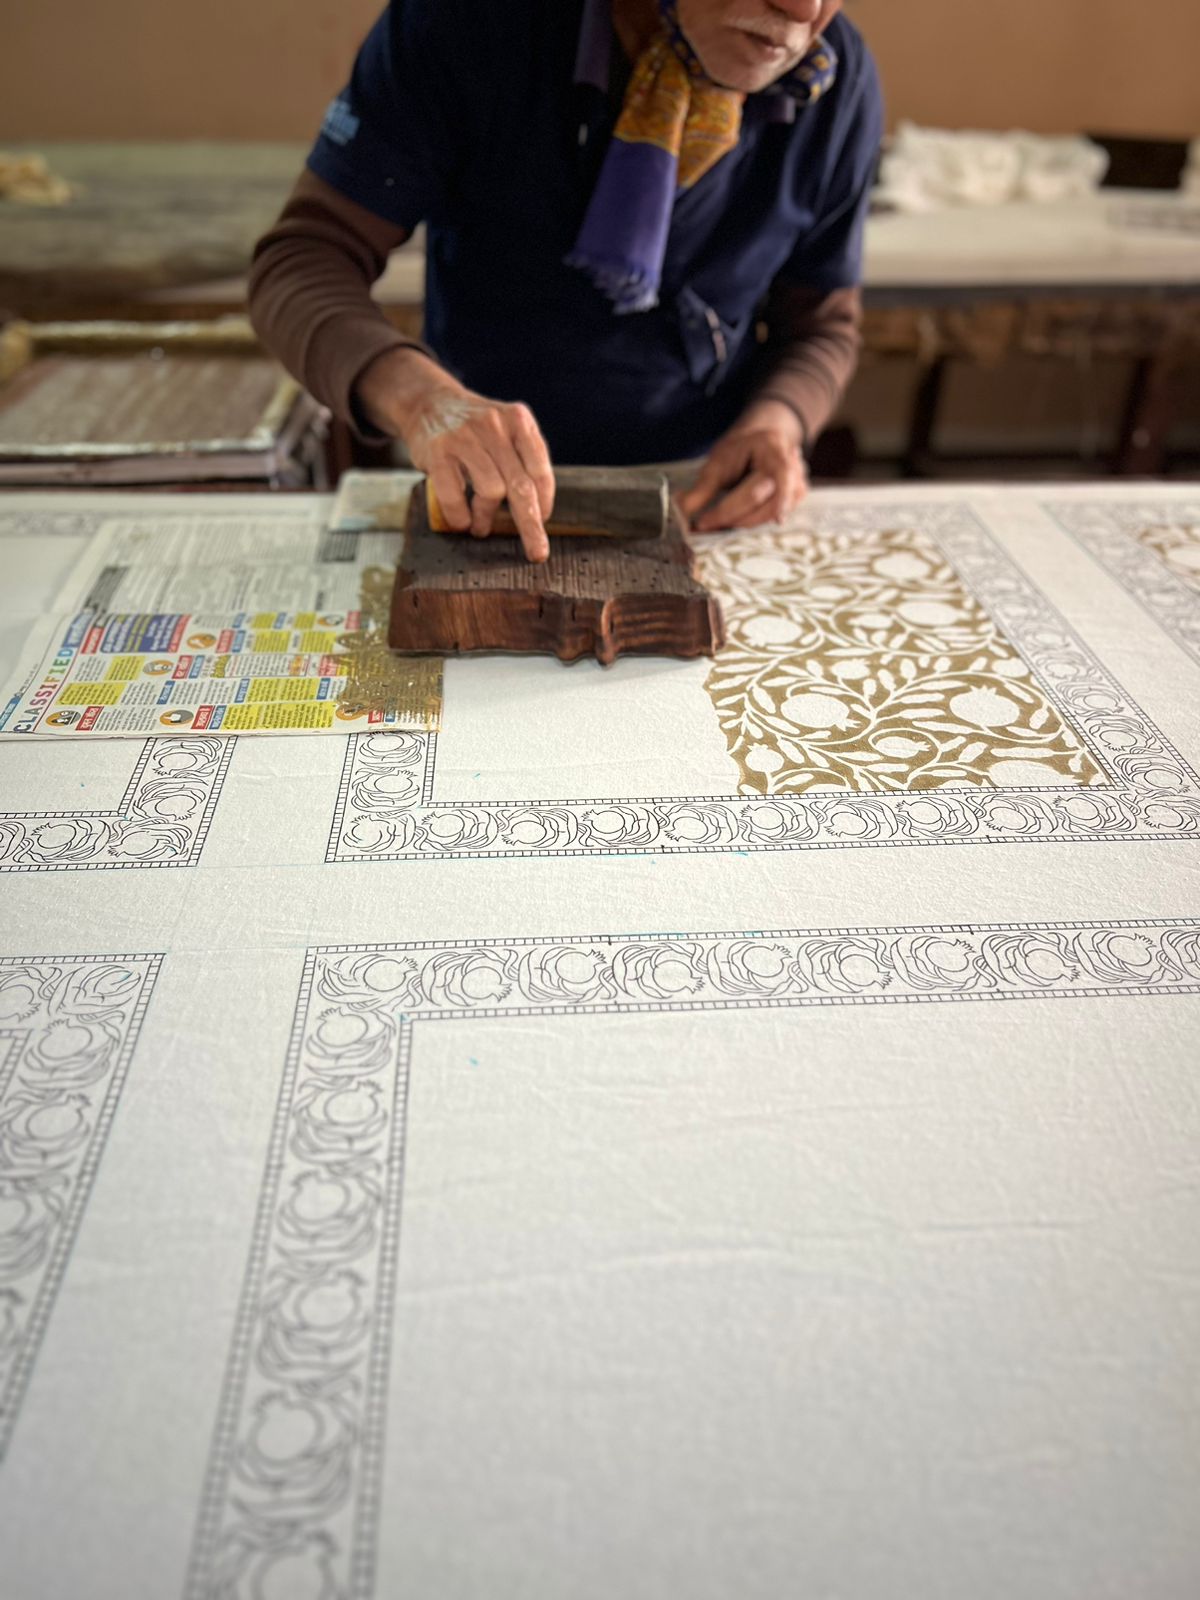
point(56, 1107)
point(295, 1466)
point(162, 819)
point(1106, 532)
point(385, 811)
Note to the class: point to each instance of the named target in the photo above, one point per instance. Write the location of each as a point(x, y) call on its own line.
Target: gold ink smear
point(861, 662)
point(376, 679)
point(1178, 548)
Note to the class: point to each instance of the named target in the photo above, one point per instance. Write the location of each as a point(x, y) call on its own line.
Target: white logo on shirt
point(340, 123)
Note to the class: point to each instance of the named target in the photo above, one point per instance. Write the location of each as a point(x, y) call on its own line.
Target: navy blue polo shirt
point(468, 115)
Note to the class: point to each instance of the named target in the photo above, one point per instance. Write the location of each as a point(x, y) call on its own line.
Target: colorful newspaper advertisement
point(272, 624)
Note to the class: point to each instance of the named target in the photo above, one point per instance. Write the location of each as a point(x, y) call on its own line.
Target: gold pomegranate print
point(861, 662)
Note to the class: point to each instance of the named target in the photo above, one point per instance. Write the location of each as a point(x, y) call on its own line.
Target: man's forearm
point(811, 354)
point(310, 293)
point(397, 389)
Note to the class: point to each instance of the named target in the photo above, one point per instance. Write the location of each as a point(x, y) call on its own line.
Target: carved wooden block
point(606, 595)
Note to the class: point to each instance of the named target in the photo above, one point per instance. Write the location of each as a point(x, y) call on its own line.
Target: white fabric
point(432, 1180)
point(1075, 240)
point(925, 169)
point(1072, 244)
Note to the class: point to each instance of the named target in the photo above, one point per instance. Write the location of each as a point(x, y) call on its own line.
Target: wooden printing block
point(626, 589)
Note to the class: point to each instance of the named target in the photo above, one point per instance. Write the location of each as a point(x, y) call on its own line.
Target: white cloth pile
point(931, 169)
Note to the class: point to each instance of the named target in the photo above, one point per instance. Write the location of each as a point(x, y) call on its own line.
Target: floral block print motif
point(1177, 546)
point(859, 661)
point(294, 1496)
point(68, 1026)
point(162, 819)
point(1152, 551)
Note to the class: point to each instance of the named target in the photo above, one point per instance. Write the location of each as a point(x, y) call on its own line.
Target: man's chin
point(746, 82)
point(728, 73)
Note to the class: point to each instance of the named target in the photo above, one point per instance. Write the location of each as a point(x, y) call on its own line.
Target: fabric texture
point(589, 1154)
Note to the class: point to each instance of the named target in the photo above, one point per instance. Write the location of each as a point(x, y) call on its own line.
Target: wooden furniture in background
point(144, 218)
point(163, 405)
point(1116, 274)
point(166, 231)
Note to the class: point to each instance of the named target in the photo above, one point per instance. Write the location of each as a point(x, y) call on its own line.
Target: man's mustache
point(787, 36)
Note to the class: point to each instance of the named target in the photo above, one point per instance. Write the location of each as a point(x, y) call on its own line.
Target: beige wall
point(175, 69)
point(263, 69)
point(1111, 66)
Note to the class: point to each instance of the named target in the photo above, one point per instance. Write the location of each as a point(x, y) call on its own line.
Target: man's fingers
point(524, 502)
point(738, 508)
point(723, 466)
point(535, 456)
point(487, 484)
point(508, 479)
point(701, 492)
point(707, 485)
point(497, 449)
point(450, 489)
point(486, 450)
point(793, 487)
point(762, 474)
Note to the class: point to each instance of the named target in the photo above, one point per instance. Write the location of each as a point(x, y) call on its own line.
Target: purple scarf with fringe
point(675, 125)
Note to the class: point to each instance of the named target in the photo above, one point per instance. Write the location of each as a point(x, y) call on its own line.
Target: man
point(617, 194)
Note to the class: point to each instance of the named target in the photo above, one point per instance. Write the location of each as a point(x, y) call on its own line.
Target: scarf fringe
point(628, 286)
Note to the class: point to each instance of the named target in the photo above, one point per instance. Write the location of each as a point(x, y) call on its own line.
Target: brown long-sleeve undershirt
point(311, 305)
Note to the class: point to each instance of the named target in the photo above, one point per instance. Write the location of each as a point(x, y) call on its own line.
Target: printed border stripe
point(286, 1267)
point(1109, 535)
point(103, 998)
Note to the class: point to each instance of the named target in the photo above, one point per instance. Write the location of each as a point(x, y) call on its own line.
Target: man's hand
point(755, 473)
point(458, 438)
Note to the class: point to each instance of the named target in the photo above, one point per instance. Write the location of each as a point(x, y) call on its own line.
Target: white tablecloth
point(585, 1153)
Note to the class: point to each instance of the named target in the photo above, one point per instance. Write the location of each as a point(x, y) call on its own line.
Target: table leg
point(917, 459)
point(1149, 413)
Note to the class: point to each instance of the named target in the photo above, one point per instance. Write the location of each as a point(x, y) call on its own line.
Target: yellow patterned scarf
point(694, 121)
point(675, 126)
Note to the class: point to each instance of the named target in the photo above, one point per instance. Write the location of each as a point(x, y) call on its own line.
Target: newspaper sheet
point(221, 624)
